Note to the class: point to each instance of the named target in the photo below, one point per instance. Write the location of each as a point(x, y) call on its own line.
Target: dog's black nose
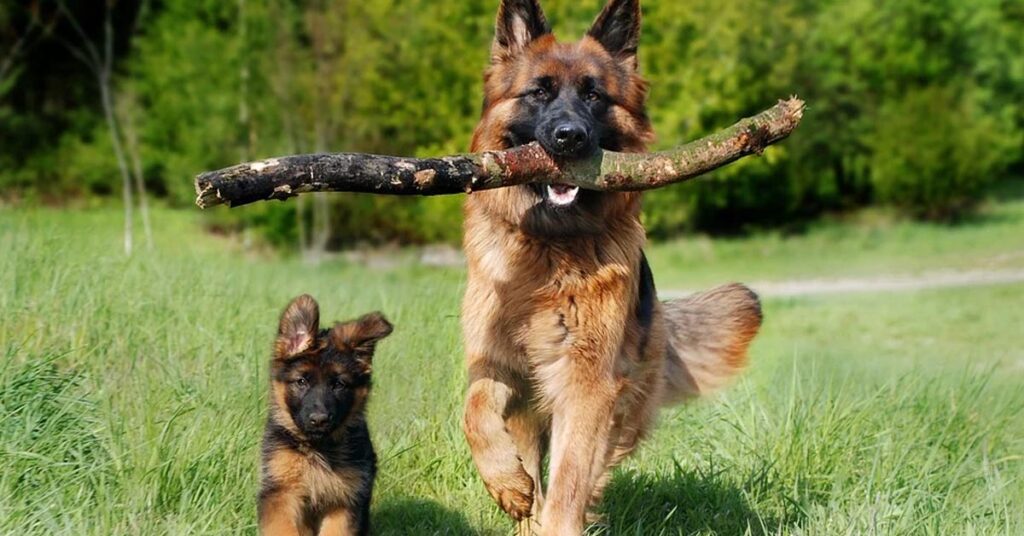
point(570, 137)
point(317, 420)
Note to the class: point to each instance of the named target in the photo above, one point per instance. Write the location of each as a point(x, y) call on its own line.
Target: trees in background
point(859, 64)
point(98, 58)
point(915, 104)
point(96, 54)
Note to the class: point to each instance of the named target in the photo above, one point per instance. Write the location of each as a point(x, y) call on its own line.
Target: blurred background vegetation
point(913, 105)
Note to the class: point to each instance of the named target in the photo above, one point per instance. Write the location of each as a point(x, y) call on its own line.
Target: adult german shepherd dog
point(318, 464)
point(570, 353)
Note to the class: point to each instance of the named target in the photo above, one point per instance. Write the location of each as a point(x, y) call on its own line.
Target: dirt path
point(886, 283)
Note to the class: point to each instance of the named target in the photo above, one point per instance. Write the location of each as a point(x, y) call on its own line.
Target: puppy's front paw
point(513, 493)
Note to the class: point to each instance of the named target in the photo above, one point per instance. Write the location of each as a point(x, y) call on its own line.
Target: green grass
point(132, 391)
point(876, 242)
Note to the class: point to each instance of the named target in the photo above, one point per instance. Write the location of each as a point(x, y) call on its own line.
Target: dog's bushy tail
point(708, 336)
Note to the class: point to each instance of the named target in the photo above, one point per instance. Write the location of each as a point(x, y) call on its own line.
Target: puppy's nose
point(569, 137)
point(317, 419)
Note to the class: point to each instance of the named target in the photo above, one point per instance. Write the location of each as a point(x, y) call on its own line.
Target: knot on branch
point(754, 139)
point(282, 192)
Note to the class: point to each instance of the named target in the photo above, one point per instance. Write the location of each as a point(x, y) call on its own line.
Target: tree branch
point(284, 177)
point(91, 56)
point(7, 62)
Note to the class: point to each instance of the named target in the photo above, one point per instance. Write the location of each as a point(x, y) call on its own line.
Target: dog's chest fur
point(532, 299)
point(332, 476)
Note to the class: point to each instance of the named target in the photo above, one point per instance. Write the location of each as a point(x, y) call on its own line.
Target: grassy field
point(132, 390)
point(869, 243)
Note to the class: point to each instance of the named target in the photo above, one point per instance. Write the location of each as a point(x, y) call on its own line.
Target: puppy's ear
point(519, 22)
point(361, 335)
point(297, 329)
point(617, 28)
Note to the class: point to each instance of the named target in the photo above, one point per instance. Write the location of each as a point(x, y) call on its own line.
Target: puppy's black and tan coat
point(318, 463)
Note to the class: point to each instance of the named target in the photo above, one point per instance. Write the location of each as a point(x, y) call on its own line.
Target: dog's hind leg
point(495, 453)
point(638, 403)
point(624, 441)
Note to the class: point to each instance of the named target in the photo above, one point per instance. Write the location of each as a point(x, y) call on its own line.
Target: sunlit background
point(886, 237)
point(915, 105)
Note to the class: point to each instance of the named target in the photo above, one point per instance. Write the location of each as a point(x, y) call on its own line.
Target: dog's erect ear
point(519, 22)
point(361, 335)
point(297, 329)
point(617, 28)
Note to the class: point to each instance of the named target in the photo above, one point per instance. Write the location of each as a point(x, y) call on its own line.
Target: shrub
point(933, 153)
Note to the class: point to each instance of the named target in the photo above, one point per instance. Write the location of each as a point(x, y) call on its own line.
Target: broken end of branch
point(794, 109)
point(206, 195)
point(770, 128)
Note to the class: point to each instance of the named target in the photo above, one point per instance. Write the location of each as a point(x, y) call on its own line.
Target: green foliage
point(191, 104)
point(85, 164)
point(933, 155)
point(404, 78)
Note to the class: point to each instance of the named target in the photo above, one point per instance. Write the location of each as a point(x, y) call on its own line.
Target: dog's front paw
point(513, 493)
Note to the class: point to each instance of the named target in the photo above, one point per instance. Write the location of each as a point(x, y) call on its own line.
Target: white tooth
point(562, 198)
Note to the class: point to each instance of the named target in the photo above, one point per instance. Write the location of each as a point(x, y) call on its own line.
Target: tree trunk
point(244, 121)
point(101, 65)
point(105, 73)
point(131, 139)
point(324, 57)
point(115, 139)
point(7, 62)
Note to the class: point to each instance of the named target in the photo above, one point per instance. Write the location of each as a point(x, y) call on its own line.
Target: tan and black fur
point(570, 353)
point(318, 464)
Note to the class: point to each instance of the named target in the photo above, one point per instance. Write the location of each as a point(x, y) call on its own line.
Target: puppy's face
point(571, 98)
point(321, 378)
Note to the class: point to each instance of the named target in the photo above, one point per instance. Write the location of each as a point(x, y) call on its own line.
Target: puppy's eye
point(338, 383)
point(591, 96)
point(540, 93)
point(301, 382)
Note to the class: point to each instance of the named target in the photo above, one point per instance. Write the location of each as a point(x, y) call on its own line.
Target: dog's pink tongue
point(561, 189)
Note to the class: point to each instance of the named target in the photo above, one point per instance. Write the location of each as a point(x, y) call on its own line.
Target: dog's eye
point(301, 382)
point(592, 96)
point(540, 93)
point(338, 384)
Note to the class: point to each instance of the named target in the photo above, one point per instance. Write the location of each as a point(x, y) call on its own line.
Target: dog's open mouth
point(561, 195)
point(316, 435)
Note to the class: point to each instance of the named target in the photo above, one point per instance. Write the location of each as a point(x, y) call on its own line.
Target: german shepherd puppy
point(318, 464)
point(570, 353)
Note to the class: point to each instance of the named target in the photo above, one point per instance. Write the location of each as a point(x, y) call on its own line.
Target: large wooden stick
point(288, 176)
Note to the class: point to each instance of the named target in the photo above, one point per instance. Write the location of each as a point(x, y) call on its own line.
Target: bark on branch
point(288, 176)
